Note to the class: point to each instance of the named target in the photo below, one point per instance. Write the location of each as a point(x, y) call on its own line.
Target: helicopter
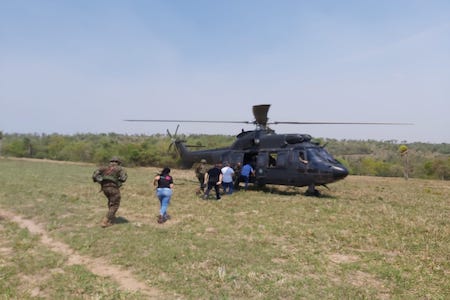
point(278, 159)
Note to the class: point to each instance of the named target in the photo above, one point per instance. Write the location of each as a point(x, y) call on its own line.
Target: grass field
point(365, 238)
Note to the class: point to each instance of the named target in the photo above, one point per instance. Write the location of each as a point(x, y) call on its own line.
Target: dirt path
point(98, 266)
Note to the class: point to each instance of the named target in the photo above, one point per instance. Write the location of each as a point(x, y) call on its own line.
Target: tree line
point(361, 157)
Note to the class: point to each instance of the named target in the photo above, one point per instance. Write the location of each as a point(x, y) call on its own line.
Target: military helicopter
point(279, 159)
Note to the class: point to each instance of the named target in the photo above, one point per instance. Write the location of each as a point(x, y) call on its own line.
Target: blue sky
point(84, 66)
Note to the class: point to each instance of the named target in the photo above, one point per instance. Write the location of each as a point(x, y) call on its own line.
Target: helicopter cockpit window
point(320, 154)
point(324, 153)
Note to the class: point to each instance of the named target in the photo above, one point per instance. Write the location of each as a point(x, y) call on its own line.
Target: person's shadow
point(121, 220)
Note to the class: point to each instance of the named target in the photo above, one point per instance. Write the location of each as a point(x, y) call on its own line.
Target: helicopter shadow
point(288, 191)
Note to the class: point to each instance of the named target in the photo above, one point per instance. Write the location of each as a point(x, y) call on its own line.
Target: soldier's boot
point(106, 222)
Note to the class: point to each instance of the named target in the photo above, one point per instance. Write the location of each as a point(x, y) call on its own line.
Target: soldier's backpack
point(111, 173)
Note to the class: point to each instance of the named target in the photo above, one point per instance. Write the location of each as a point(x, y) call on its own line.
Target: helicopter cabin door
point(271, 167)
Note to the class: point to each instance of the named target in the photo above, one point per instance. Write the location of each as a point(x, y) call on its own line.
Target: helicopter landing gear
point(311, 191)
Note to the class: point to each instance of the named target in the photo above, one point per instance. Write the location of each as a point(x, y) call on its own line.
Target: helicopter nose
point(339, 172)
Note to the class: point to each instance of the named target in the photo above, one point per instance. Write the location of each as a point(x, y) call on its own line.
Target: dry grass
point(367, 237)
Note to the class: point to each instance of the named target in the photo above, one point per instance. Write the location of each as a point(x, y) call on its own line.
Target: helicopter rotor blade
point(189, 121)
point(260, 113)
point(263, 123)
point(341, 123)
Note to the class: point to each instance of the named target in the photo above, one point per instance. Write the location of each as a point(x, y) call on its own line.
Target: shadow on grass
point(285, 191)
point(121, 220)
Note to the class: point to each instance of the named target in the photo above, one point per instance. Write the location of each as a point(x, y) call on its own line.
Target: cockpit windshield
point(319, 153)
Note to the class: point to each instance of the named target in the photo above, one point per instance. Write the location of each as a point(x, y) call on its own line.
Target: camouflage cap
point(203, 161)
point(115, 159)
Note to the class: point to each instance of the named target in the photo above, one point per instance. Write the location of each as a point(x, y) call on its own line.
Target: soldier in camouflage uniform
point(200, 172)
point(237, 174)
point(111, 178)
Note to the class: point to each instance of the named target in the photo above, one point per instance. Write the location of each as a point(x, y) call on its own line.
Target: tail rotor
point(174, 139)
point(175, 134)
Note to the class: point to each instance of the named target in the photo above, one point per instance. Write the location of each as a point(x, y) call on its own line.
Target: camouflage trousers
point(201, 180)
point(113, 195)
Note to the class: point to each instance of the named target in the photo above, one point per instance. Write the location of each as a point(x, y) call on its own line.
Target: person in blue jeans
point(246, 172)
point(227, 178)
point(164, 191)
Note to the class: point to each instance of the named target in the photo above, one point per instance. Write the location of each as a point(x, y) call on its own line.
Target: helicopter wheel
point(260, 185)
point(311, 191)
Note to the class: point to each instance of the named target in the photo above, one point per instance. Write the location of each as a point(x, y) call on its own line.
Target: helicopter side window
point(302, 157)
point(272, 159)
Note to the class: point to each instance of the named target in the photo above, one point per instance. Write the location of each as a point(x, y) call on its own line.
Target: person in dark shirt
point(164, 191)
point(213, 178)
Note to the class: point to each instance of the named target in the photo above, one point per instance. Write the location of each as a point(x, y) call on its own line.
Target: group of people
point(112, 176)
point(222, 175)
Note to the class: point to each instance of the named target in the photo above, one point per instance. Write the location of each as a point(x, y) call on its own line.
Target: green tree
point(15, 148)
point(441, 167)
